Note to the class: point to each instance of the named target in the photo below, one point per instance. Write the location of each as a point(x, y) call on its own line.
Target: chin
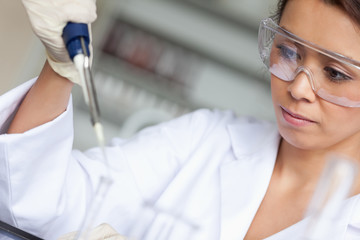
point(301, 140)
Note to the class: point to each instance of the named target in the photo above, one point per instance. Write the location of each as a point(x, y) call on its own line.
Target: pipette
point(76, 38)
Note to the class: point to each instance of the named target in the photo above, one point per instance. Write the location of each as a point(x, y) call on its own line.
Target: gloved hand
point(101, 232)
point(48, 19)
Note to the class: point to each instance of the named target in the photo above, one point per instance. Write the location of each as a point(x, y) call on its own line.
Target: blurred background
point(155, 60)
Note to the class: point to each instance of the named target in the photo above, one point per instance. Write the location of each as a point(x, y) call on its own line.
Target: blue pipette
point(76, 38)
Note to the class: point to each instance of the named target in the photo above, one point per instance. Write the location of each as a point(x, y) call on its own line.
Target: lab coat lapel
point(344, 228)
point(353, 229)
point(244, 181)
point(193, 195)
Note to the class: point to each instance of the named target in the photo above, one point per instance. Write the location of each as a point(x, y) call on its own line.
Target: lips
point(295, 119)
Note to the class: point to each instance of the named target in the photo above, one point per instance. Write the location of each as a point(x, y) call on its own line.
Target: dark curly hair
point(351, 7)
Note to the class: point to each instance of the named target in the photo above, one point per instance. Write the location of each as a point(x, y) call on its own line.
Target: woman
point(223, 177)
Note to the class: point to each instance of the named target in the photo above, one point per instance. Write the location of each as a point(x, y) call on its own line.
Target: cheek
point(339, 124)
point(278, 95)
point(278, 89)
point(339, 119)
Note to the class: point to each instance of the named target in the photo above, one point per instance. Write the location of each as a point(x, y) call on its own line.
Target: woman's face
point(305, 120)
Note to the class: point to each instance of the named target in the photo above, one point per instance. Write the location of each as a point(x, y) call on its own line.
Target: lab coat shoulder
point(158, 152)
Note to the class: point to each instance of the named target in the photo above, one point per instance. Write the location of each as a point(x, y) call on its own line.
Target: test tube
point(335, 185)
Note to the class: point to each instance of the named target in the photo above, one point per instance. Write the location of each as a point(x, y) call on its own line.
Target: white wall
point(21, 53)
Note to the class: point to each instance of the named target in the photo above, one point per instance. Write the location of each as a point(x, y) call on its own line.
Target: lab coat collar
point(250, 137)
point(244, 181)
point(344, 228)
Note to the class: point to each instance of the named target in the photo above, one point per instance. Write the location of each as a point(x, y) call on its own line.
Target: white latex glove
point(101, 232)
point(48, 19)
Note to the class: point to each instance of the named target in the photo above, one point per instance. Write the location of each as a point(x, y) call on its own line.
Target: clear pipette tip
point(335, 185)
point(82, 64)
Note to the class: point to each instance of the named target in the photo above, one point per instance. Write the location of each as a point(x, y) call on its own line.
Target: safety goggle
point(332, 76)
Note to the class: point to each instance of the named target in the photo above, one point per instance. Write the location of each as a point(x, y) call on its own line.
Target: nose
point(301, 88)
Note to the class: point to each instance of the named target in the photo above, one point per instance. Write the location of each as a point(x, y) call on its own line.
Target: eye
point(288, 53)
point(335, 75)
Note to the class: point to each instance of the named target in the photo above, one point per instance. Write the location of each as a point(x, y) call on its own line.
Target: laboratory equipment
point(8, 232)
point(335, 185)
point(156, 223)
point(76, 38)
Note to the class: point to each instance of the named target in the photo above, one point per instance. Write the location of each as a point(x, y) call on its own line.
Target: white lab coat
point(210, 167)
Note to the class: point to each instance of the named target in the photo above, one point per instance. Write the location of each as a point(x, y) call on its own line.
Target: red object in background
point(152, 54)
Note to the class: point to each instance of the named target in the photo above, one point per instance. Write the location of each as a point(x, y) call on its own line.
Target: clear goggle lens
point(333, 77)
